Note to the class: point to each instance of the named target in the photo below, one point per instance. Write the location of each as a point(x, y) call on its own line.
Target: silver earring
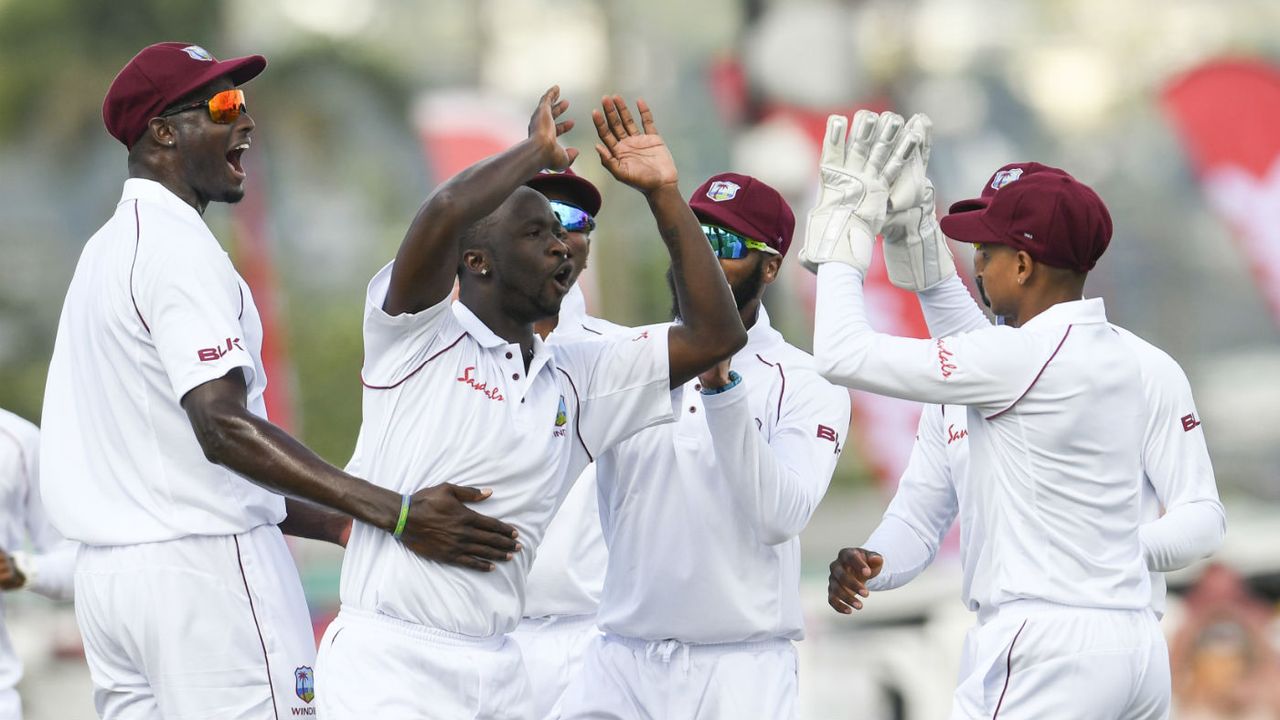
point(484, 271)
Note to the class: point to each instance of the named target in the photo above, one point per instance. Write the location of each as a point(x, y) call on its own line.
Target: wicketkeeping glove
point(916, 253)
point(854, 198)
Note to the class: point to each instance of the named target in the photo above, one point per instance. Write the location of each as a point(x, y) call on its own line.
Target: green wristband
point(404, 516)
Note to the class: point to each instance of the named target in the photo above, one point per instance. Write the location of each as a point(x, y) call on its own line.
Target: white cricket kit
point(186, 594)
point(49, 564)
point(936, 486)
point(1183, 519)
point(701, 599)
point(564, 583)
point(447, 400)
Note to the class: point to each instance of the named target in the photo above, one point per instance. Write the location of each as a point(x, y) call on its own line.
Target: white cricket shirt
point(447, 400)
point(1183, 519)
point(50, 564)
point(155, 308)
point(702, 517)
point(1055, 419)
point(568, 575)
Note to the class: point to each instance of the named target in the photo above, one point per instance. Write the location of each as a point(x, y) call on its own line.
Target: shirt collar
point(1075, 312)
point(761, 335)
point(152, 191)
point(481, 333)
point(573, 308)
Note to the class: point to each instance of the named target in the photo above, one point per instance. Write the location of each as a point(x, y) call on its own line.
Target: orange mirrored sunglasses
point(224, 108)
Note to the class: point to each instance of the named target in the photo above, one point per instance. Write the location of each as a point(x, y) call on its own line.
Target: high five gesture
point(634, 155)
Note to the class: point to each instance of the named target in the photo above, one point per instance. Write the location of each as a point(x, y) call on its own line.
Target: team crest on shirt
point(305, 683)
point(722, 190)
point(198, 53)
point(562, 415)
point(1004, 177)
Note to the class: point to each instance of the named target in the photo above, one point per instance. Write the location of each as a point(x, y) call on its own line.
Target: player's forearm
point(270, 457)
point(949, 309)
point(427, 260)
point(51, 573)
point(1183, 535)
point(777, 499)
point(308, 520)
point(906, 554)
point(707, 308)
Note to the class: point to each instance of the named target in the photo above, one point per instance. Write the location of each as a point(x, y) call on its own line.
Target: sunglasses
point(224, 108)
point(573, 218)
point(729, 245)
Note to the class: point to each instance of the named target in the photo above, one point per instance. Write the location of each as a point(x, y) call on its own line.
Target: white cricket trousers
point(199, 628)
point(376, 666)
point(1042, 661)
point(628, 679)
point(553, 649)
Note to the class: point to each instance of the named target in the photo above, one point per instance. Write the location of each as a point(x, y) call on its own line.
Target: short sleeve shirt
point(155, 309)
point(448, 401)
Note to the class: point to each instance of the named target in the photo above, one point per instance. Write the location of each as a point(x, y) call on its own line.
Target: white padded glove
point(854, 198)
point(916, 253)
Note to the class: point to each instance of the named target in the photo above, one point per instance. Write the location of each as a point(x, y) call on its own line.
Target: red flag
point(1228, 114)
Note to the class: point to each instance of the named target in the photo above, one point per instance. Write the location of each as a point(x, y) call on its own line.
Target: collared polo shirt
point(702, 516)
point(448, 401)
point(569, 575)
point(154, 309)
point(1055, 420)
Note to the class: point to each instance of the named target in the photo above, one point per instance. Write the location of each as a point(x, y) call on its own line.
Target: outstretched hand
point(634, 155)
point(546, 127)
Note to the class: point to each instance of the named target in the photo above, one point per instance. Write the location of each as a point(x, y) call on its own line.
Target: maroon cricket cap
point(567, 182)
point(1042, 210)
point(160, 75)
point(745, 205)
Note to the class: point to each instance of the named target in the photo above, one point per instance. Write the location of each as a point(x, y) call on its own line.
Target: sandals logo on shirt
point(305, 683)
point(483, 387)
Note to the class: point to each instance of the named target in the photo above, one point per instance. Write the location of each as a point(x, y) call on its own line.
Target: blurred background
point(1167, 107)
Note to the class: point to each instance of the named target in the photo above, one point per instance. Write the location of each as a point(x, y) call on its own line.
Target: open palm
point(635, 155)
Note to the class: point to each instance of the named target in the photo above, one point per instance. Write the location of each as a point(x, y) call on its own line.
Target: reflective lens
point(224, 108)
point(729, 245)
point(573, 218)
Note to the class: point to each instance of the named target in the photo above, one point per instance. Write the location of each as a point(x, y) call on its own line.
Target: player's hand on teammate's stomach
point(443, 528)
point(850, 571)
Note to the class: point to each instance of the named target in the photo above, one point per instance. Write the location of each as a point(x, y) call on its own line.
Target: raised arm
point(916, 253)
point(426, 263)
point(637, 156)
point(781, 474)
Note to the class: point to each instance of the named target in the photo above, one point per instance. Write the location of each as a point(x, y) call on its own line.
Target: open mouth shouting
point(234, 156)
point(562, 275)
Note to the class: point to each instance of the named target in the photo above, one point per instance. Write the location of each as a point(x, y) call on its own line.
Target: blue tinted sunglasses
point(573, 218)
point(729, 245)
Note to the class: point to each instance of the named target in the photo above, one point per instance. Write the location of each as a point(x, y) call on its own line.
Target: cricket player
point(1183, 519)
point(467, 392)
point(564, 584)
point(47, 567)
point(156, 453)
point(701, 602)
point(1055, 424)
